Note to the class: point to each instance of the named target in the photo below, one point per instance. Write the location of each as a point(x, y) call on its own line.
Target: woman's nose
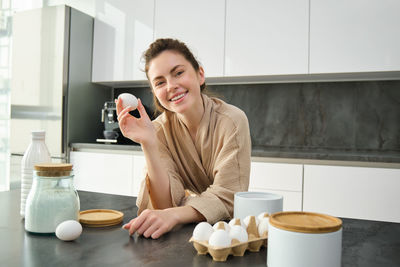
point(171, 85)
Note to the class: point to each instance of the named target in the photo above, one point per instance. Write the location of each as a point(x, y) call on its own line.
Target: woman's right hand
point(139, 130)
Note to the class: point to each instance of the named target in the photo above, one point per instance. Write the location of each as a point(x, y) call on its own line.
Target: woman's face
point(175, 82)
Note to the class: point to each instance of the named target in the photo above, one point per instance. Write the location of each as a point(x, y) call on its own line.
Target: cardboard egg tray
point(237, 248)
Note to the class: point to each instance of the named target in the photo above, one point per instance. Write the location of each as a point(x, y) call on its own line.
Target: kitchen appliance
point(111, 127)
point(112, 133)
point(51, 86)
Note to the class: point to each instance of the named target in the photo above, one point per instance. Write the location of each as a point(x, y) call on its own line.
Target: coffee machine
point(112, 133)
point(109, 118)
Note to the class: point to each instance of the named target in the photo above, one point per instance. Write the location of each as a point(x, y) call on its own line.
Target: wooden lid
point(51, 170)
point(53, 167)
point(305, 222)
point(100, 217)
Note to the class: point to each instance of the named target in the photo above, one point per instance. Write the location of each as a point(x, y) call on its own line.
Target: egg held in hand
point(69, 230)
point(128, 100)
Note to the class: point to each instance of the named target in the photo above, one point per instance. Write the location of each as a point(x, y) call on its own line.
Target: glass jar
point(52, 199)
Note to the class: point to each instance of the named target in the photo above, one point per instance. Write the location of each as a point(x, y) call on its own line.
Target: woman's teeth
point(178, 97)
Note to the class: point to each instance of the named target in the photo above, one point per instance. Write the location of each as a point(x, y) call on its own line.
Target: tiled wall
point(338, 116)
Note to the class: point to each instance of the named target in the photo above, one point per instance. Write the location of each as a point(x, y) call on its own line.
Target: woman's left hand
point(152, 223)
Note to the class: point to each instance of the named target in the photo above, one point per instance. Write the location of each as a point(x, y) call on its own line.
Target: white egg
point(69, 230)
point(233, 221)
point(128, 100)
point(202, 231)
point(220, 238)
point(247, 221)
point(263, 226)
point(262, 215)
point(239, 233)
point(226, 226)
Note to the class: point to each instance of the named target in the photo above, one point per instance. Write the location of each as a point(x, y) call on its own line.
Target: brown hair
point(161, 45)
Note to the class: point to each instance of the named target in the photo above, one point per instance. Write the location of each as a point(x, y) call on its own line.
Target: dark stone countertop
point(365, 243)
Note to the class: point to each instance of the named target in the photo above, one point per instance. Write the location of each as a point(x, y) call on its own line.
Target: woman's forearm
point(186, 214)
point(159, 181)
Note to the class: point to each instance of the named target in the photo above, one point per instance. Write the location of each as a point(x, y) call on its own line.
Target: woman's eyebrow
point(171, 71)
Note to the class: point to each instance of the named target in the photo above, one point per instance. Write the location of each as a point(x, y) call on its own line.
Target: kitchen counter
point(365, 243)
point(319, 157)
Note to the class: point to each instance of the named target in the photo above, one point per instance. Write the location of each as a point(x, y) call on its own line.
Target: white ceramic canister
point(254, 203)
point(304, 239)
point(36, 152)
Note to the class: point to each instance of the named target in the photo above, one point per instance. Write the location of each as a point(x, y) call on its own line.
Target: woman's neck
point(192, 118)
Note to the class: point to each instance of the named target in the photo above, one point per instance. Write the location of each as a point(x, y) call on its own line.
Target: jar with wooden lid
point(304, 239)
point(52, 199)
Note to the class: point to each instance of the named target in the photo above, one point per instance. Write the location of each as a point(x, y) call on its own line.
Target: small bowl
point(254, 203)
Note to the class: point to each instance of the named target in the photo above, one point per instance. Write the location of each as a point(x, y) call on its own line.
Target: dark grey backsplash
point(330, 116)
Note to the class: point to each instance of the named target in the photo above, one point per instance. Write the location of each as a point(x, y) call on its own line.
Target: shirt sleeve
point(231, 172)
point(177, 190)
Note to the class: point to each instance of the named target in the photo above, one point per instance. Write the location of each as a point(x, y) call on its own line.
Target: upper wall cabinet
point(354, 36)
point(266, 37)
point(123, 30)
point(199, 24)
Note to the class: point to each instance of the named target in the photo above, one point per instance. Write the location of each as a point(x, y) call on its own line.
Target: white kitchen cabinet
point(111, 173)
point(199, 24)
point(280, 178)
point(123, 30)
point(266, 37)
point(139, 163)
point(354, 36)
point(352, 192)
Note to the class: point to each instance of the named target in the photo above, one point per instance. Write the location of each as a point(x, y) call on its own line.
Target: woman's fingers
point(150, 230)
point(142, 110)
point(159, 232)
point(118, 103)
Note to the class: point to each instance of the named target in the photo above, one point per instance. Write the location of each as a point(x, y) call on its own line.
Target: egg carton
point(254, 243)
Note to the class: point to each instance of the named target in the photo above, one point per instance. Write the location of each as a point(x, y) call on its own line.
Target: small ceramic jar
point(304, 239)
point(52, 199)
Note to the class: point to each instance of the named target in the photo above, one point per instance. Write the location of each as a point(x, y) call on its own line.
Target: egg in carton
point(222, 239)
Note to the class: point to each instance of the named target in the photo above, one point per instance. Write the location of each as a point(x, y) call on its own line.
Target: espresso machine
point(112, 133)
point(109, 118)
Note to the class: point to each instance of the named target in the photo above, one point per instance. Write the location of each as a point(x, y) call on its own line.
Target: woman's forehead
point(165, 62)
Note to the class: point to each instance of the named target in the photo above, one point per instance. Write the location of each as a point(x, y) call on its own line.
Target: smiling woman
point(198, 144)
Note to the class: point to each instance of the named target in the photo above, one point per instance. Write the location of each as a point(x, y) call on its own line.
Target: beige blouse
point(213, 167)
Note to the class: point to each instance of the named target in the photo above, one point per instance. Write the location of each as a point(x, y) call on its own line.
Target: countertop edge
point(260, 156)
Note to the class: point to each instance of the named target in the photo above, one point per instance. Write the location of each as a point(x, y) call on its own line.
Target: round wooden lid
point(53, 167)
point(100, 217)
point(305, 222)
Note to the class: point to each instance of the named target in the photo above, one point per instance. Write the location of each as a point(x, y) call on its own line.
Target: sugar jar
point(52, 199)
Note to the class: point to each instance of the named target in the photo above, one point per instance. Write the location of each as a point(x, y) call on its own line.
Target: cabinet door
point(266, 37)
point(279, 178)
point(276, 176)
point(139, 164)
point(199, 24)
point(103, 172)
point(353, 192)
point(354, 36)
point(123, 30)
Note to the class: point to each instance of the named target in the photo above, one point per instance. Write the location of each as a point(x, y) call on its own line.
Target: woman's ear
point(201, 76)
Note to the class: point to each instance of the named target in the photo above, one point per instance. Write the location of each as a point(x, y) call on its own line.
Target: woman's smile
point(177, 98)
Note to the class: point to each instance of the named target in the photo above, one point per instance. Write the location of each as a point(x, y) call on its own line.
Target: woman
point(198, 144)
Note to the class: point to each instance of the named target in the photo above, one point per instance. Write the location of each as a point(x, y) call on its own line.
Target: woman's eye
point(159, 84)
point(179, 73)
